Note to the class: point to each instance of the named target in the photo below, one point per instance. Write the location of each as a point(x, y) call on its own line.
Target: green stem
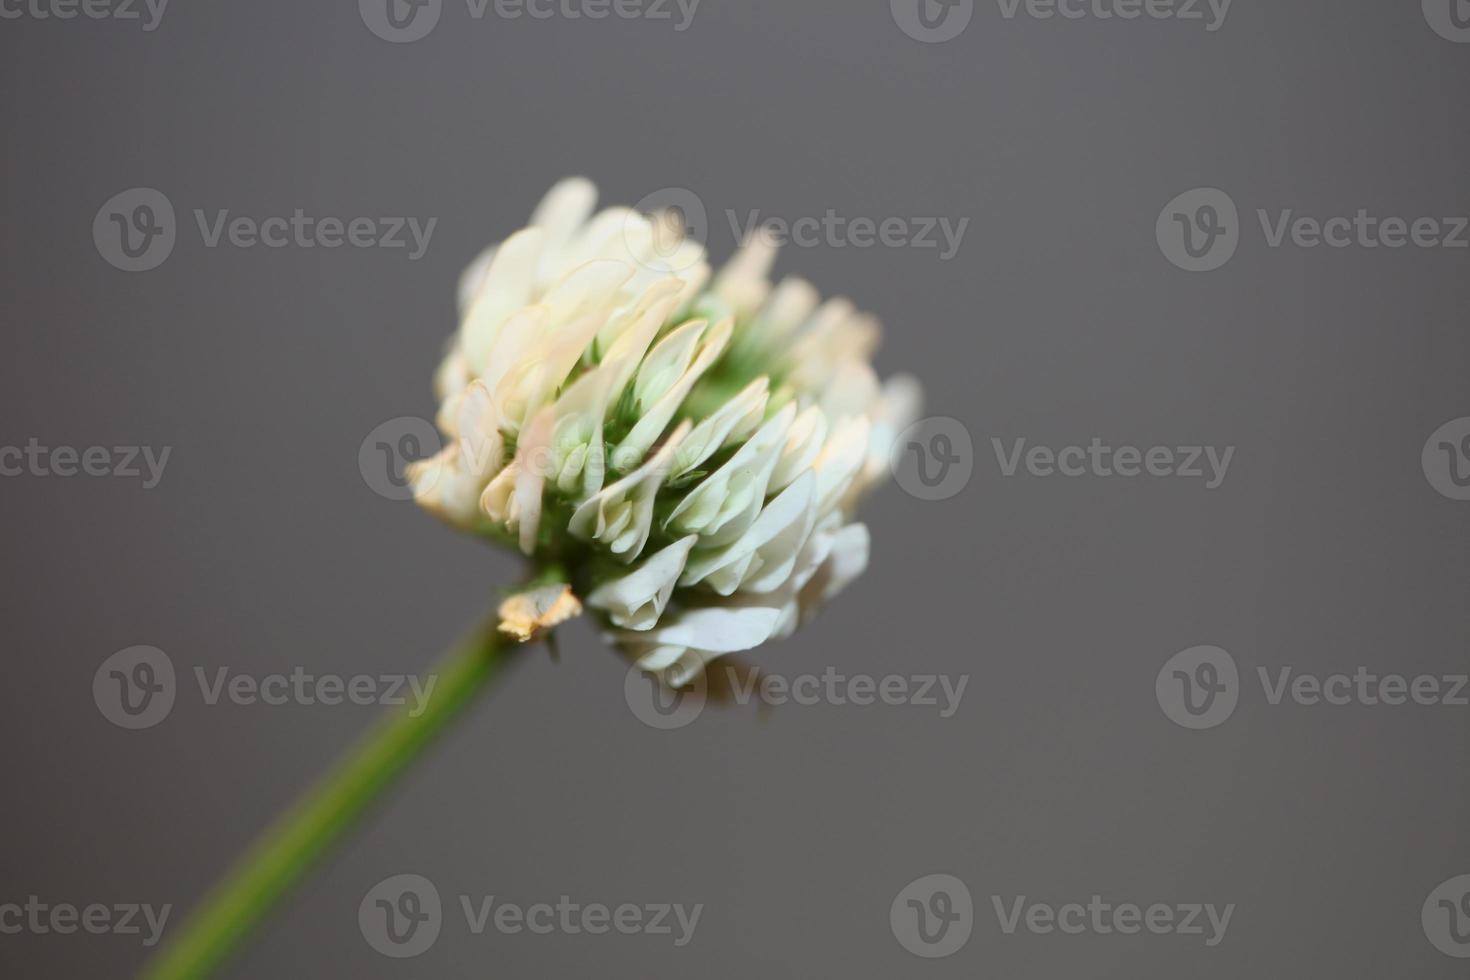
point(303, 834)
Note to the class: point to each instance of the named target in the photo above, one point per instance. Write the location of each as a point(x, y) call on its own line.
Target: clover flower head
point(689, 446)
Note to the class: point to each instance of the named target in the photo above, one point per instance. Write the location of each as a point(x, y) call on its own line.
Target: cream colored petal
point(604, 237)
point(506, 287)
point(497, 501)
point(544, 369)
point(791, 304)
point(561, 214)
point(452, 375)
point(481, 445)
point(473, 277)
point(591, 287)
point(634, 327)
point(744, 282)
point(526, 615)
point(443, 488)
point(852, 389)
point(532, 455)
point(840, 461)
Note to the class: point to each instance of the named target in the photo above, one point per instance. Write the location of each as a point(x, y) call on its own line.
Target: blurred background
point(1131, 268)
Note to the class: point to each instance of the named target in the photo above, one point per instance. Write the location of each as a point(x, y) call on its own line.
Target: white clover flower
point(690, 450)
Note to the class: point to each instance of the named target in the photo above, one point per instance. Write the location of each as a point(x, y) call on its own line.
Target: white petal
point(729, 499)
point(767, 552)
point(895, 411)
point(666, 364)
point(637, 600)
point(620, 515)
point(804, 442)
point(743, 412)
point(653, 421)
point(532, 454)
point(847, 558)
point(717, 629)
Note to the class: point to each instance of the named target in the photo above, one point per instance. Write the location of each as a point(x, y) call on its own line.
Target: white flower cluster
point(690, 448)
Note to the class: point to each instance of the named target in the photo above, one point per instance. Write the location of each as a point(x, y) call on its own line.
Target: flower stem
point(303, 834)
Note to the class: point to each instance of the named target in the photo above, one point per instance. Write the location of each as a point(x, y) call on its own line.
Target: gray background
point(1059, 320)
